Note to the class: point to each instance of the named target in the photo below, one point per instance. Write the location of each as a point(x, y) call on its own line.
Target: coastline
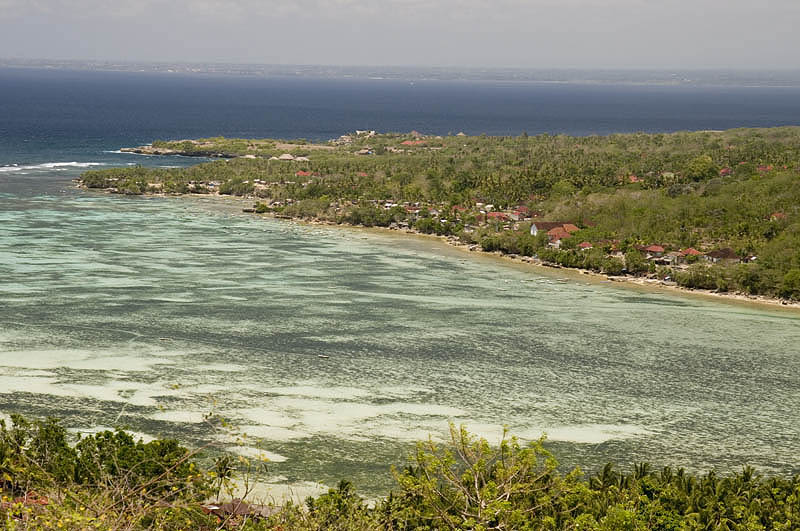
point(575, 274)
point(524, 263)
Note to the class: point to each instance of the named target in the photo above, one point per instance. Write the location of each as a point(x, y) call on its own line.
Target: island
point(706, 210)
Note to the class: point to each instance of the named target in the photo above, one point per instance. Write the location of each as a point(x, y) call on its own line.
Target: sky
point(649, 34)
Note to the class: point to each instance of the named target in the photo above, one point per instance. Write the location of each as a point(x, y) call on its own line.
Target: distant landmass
point(771, 78)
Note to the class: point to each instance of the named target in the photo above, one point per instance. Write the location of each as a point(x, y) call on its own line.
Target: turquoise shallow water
point(151, 312)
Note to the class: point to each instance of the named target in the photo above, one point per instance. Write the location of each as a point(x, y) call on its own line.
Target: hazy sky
point(522, 33)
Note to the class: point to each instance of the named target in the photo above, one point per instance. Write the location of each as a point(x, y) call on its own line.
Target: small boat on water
point(323, 356)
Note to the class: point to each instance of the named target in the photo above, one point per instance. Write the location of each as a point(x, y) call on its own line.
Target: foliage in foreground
point(104, 481)
point(108, 481)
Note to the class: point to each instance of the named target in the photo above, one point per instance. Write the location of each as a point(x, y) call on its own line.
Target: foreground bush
point(105, 481)
point(108, 481)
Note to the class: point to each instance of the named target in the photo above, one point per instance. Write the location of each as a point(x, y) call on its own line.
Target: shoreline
point(576, 274)
point(623, 281)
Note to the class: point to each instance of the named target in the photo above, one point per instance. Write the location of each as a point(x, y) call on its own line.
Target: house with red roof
point(302, 173)
point(686, 253)
point(545, 226)
point(584, 246)
point(501, 216)
point(522, 212)
point(556, 235)
point(654, 249)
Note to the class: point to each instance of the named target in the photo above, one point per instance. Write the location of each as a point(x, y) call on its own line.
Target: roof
point(691, 251)
point(723, 254)
point(558, 233)
point(286, 156)
point(654, 249)
point(585, 245)
point(569, 227)
point(302, 173)
point(497, 215)
point(547, 225)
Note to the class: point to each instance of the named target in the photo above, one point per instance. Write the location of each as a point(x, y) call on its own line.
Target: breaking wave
point(49, 166)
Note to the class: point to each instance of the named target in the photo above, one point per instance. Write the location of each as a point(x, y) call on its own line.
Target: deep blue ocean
point(58, 116)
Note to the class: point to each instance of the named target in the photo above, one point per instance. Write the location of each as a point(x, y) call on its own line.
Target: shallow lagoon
point(150, 313)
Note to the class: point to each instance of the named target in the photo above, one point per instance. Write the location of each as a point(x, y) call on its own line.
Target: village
point(643, 206)
point(559, 234)
point(458, 222)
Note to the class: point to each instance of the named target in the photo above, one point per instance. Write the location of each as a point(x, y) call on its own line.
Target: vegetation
point(737, 189)
point(104, 481)
point(108, 481)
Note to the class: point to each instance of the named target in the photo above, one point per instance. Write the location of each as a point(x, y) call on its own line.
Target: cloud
point(442, 11)
point(531, 33)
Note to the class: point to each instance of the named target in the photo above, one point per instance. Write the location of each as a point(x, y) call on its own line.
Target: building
point(654, 250)
point(545, 226)
point(722, 255)
point(556, 235)
point(500, 216)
